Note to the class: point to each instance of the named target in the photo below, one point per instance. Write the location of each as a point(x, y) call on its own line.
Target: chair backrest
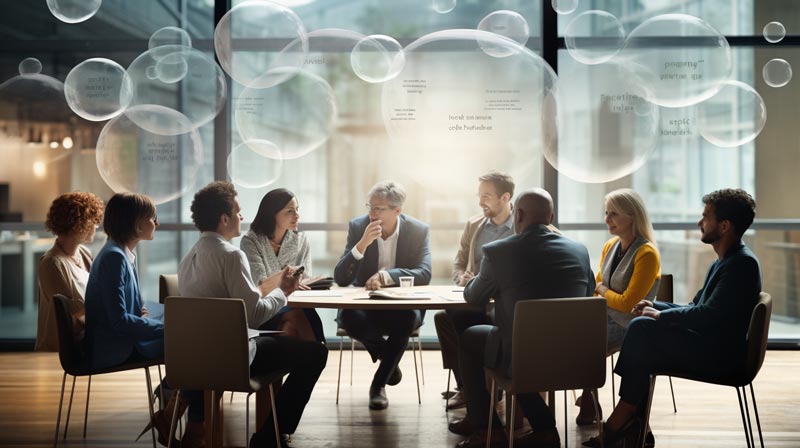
point(205, 344)
point(559, 344)
point(70, 352)
point(167, 286)
point(757, 336)
point(665, 293)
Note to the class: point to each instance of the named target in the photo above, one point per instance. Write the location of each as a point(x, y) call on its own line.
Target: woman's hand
point(601, 289)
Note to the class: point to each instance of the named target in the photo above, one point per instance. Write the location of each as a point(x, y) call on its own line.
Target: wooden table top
point(440, 297)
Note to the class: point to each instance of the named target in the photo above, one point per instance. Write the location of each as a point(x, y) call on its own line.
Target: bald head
point(533, 207)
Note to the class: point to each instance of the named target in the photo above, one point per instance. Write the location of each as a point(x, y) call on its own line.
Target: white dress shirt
point(387, 254)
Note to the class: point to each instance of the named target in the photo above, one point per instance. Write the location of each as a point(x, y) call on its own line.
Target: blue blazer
point(114, 323)
point(413, 257)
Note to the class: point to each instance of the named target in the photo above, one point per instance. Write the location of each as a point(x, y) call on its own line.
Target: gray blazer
point(263, 261)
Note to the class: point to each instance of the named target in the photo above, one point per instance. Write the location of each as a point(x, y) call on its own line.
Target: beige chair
point(167, 286)
point(557, 344)
point(757, 337)
point(219, 326)
point(342, 333)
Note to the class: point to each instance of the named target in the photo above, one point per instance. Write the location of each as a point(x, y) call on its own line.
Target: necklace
point(74, 258)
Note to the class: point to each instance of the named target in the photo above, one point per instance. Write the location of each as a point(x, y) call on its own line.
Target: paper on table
point(251, 333)
point(316, 293)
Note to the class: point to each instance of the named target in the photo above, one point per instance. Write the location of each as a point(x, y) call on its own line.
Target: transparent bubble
point(34, 98)
point(377, 58)
point(94, 89)
point(167, 37)
point(505, 23)
point(679, 127)
point(320, 60)
point(594, 37)
point(249, 39)
point(564, 6)
point(774, 32)
point(297, 115)
point(618, 129)
point(199, 92)
point(455, 106)
point(679, 59)
point(777, 73)
point(250, 168)
point(30, 66)
point(164, 167)
point(444, 6)
point(73, 11)
point(732, 117)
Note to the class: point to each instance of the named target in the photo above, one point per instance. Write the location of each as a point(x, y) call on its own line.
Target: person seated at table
point(64, 269)
point(630, 268)
point(707, 337)
point(214, 267)
point(382, 246)
point(272, 243)
point(536, 263)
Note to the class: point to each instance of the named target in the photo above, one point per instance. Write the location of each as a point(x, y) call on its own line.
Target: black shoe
point(268, 441)
point(461, 426)
point(377, 398)
point(395, 377)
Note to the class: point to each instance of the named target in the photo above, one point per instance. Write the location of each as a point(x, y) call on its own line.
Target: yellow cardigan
point(646, 270)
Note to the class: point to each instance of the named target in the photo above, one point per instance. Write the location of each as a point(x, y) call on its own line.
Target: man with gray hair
point(382, 246)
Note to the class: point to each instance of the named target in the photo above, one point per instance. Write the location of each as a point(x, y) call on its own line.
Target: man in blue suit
point(383, 246)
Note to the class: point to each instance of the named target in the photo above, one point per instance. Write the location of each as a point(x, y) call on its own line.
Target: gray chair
point(219, 326)
point(757, 337)
point(571, 335)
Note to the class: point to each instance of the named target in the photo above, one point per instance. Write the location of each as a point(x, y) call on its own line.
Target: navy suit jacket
point(114, 323)
point(413, 257)
point(534, 264)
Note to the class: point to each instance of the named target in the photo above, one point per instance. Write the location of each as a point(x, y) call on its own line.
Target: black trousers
point(449, 325)
point(369, 327)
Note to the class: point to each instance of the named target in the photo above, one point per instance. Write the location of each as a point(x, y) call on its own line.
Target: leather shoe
point(587, 416)
point(161, 422)
point(457, 402)
point(377, 398)
point(539, 439)
point(461, 426)
point(478, 439)
point(629, 433)
point(395, 377)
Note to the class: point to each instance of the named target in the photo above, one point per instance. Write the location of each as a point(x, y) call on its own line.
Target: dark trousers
point(449, 325)
point(369, 327)
point(472, 361)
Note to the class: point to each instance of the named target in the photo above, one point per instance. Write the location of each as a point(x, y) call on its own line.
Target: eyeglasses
point(375, 209)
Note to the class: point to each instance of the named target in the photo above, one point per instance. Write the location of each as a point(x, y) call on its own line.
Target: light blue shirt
point(491, 232)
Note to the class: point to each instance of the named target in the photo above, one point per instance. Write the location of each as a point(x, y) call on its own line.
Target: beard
point(709, 237)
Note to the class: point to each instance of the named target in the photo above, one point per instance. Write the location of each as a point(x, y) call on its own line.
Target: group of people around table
point(506, 254)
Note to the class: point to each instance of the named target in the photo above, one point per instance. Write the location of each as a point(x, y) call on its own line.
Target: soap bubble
point(564, 6)
point(606, 129)
point(169, 36)
point(679, 59)
point(678, 127)
point(250, 168)
point(297, 115)
point(30, 66)
point(777, 73)
point(199, 93)
point(33, 97)
point(505, 23)
point(94, 89)
point(732, 117)
point(774, 32)
point(444, 6)
point(377, 58)
point(73, 11)
point(594, 37)
point(249, 39)
point(164, 167)
point(320, 60)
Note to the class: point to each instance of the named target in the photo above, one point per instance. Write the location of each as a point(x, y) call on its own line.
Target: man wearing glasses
point(383, 246)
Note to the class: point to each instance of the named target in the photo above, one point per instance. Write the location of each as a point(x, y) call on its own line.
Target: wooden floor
point(708, 416)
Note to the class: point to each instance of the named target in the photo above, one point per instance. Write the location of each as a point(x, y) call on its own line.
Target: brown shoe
point(457, 402)
point(478, 439)
point(461, 426)
point(539, 439)
point(194, 436)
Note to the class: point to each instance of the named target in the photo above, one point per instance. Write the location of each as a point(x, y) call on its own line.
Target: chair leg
point(162, 403)
point(246, 421)
point(173, 420)
point(649, 404)
point(447, 393)
point(566, 435)
point(513, 416)
point(749, 422)
point(352, 354)
point(596, 412)
point(274, 416)
point(672, 391)
point(231, 397)
point(758, 421)
point(492, 391)
point(150, 404)
point(86, 412)
point(60, 403)
point(339, 378)
point(613, 385)
point(416, 372)
point(69, 408)
point(744, 422)
point(421, 365)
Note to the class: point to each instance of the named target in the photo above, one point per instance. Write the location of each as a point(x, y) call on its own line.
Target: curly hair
point(214, 200)
point(734, 205)
point(74, 212)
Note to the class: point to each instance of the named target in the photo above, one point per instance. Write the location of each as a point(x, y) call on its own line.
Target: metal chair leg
point(649, 404)
point(758, 421)
point(150, 404)
point(672, 391)
point(246, 421)
point(69, 408)
point(596, 412)
point(162, 404)
point(352, 354)
point(173, 420)
point(492, 396)
point(447, 393)
point(421, 365)
point(749, 422)
point(86, 413)
point(231, 397)
point(513, 417)
point(339, 378)
point(416, 372)
point(60, 404)
point(613, 385)
point(744, 422)
point(274, 416)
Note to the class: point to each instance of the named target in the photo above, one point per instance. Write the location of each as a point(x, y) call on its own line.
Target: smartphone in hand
point(299, 271)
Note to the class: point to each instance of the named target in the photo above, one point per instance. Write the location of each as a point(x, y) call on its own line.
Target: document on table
point(251, 333)
point(316, 293)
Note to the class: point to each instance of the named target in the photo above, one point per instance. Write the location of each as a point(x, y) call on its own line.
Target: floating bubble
point(186, 80)
point(30, 66)
point(679, 59)
point(94, 89)
point(377, 58)
point(777, 73)
point(297, 115)
point(594, 37)
point(507, 24)
point(73, 11)
point(618, 129)
point(444, 6)
point(678, 128)
point(250, 168)
point(732, 117)
point(169, 36)
point(34, 97)
point(164, 167)
point(564, 6)
point(774, 32)
point(249, 39)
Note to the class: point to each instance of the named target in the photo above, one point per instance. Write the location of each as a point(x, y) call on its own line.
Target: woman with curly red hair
point(64, 269)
